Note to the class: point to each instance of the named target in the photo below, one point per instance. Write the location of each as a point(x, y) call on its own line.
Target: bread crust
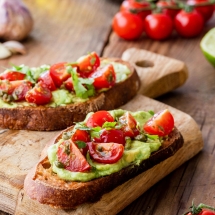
point(41, 118)
point(43, 185)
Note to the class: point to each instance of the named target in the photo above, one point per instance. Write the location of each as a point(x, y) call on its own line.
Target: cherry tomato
point(206, 11)
point(21, 90)
point(70, 156)
point(59, 73)
point(111, 136)
point(80, 135)
point(206, 212)
point(8, 87)
point(88, 63)
point(127, 25)
point(129, 125)
point(47, 80)
point(99, 118)
point(169, 8)
point(39, 94)
point(189, 24)
point(68, 84)
point(142, 8)
point(107, 153)
point(12, 76)
point(158, 26)
point(104, 77)
point(160, 124)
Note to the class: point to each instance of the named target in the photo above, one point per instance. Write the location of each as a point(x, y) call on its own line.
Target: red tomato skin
point(128, 5)
point(99, 118)
point(168, 11)
point(127, 25)
point(129, 125)
point(106, 153)
point(81, 135)
point(21, 90)
point(88, 64)
point(158, 26)
point(68, 84)
point(104, 77)
point(47, 80)
point(161, 124)
point(188, 24)
point(111, 136)
point(75, 160)
point(59, 74)
point(206, 212)
point(12, 76)
point(206, 11)
point(39, 94)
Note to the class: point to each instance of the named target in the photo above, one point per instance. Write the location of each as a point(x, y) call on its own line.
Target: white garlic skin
point(16, 21)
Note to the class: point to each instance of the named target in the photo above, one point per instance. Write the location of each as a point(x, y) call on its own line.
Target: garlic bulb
point(15, 20)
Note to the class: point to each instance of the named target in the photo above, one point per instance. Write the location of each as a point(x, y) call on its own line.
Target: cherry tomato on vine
point(127, 25)
point(206, 11)
point(201, 209)
point(142, 8)
point(107, 153)
point(160, 124)
point(158, 26)
point(189, 23)
point(169, 8)
point(99, 118)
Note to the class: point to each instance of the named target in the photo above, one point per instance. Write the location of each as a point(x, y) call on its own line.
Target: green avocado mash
point(135, 151)
point(60, 97)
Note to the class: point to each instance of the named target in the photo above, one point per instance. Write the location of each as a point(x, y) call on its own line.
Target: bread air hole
point(144, 63)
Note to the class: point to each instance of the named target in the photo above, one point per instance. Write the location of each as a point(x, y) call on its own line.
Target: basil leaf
point(81, 144)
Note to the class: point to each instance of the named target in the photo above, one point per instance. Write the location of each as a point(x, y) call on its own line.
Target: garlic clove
point(15, 47)
point(4, 52)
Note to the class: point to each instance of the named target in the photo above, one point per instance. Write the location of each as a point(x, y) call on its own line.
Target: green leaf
point(83, 86)
point(151, 112)
point(81, 144)
point(152, 137)
point(109, 125)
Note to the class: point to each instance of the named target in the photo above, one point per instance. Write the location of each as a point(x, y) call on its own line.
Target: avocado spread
point(135, 152)
point(61, 97)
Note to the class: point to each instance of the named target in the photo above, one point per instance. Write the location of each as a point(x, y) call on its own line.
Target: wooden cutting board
point(158, 74)
point(20, 150)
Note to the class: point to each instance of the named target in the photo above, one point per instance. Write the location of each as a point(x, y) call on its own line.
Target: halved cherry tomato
point(111, 136)
point(127, 25)
point(104, 77)
point(81, 135)
point(88, 63)
point(12, 76)
point(59, 73)
point(107, 153)
point(129, 125)
point(47, 80)
point(39, 94)
point(8, 87)
point(68, 84)
point(71, 157)
point(160, 124)
point(21, 90)
point(99, 118)
point(141, 8)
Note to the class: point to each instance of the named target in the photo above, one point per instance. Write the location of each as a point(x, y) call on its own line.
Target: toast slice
point(46, 187)
point(44, 118)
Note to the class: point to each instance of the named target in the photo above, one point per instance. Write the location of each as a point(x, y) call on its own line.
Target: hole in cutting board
point(144, 63)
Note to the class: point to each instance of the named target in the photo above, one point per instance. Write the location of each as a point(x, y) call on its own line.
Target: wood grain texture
point(113, 202)
point(158, 74)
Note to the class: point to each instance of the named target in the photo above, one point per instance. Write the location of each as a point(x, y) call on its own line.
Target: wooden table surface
point(65, 30)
